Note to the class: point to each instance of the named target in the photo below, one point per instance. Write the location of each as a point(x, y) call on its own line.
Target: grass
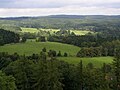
point(97, 61)
point(31, 30)
point(34, 30)
point(81, 32)
point(31, 47)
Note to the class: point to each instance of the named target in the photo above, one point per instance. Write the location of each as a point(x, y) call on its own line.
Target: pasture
point(97, 61)
point(31, 47)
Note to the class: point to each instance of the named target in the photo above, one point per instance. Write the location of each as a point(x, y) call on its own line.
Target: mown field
point(31, 30)
point(97, 61)
point(31, 47)
point(35, 30)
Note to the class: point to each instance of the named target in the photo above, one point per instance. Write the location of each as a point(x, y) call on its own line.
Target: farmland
point(97, 61)
point(52, 31)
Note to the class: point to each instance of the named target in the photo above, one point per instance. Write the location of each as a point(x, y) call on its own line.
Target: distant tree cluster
point(41, 39)
point(7, 37)
point(106, 49)
point(90, 52)
point(53, 53)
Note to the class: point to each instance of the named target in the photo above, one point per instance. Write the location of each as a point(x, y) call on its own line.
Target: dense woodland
point(7, 37)
point(44, 71)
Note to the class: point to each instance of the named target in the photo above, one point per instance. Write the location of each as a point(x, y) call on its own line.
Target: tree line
point(89, 40)
point(106, 49)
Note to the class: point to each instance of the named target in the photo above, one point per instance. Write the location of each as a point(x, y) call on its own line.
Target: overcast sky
point(13, 8)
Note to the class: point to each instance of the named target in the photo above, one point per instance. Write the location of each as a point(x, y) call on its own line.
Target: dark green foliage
point(47, 76)
point(23, 39)
point(29, 35)
point(43, 55)
point(90, 52)
point(6, 59)
point(64, 33)
point(52, 53)
point(42, 39)
point(116, 65)
point(7, 82)
point(35, 76)
point(65, 54)
point(79, 76)
point(44, 49)
point(68, 75)
point(59, 54)
point(23, 71)
point(90, 66)
point(107, 49)
point(45, 73)
point(4, 62)
point(7, 37)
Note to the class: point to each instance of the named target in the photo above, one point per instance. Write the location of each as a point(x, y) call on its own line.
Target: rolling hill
point(31, 47)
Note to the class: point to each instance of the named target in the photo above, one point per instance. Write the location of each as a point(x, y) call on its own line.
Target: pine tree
point(7, 82)
point(116, 65)
point(59, 54)
point(79, 76)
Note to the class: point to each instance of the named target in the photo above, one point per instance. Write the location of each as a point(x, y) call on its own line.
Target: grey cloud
point(58, 3)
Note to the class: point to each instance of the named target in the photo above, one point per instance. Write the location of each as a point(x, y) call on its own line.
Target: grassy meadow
point(97, 61)
point(31, 47)
point(30, 30)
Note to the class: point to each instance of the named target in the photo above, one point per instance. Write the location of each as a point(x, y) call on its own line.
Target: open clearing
point(97, 61)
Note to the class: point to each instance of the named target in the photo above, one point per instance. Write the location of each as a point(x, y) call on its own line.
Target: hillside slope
point(31, 47)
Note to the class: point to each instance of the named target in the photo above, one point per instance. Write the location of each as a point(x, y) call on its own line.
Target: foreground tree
point(79, 75)
point(23, 71)
point(47, 76)
point(116, 65)
point(7, 82)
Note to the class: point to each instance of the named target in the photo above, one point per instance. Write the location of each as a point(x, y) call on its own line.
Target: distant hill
point(80, 22)
point(64, 16)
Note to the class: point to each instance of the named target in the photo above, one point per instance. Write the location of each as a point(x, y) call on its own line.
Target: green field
point(81, 32)
point(31, 30)
point(97, 61)
point(31, 47)
point(35, 30)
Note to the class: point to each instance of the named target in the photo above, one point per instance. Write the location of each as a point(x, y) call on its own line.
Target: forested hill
point(85, 22)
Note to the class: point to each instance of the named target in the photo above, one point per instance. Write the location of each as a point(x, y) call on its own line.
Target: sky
point(16, 8)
